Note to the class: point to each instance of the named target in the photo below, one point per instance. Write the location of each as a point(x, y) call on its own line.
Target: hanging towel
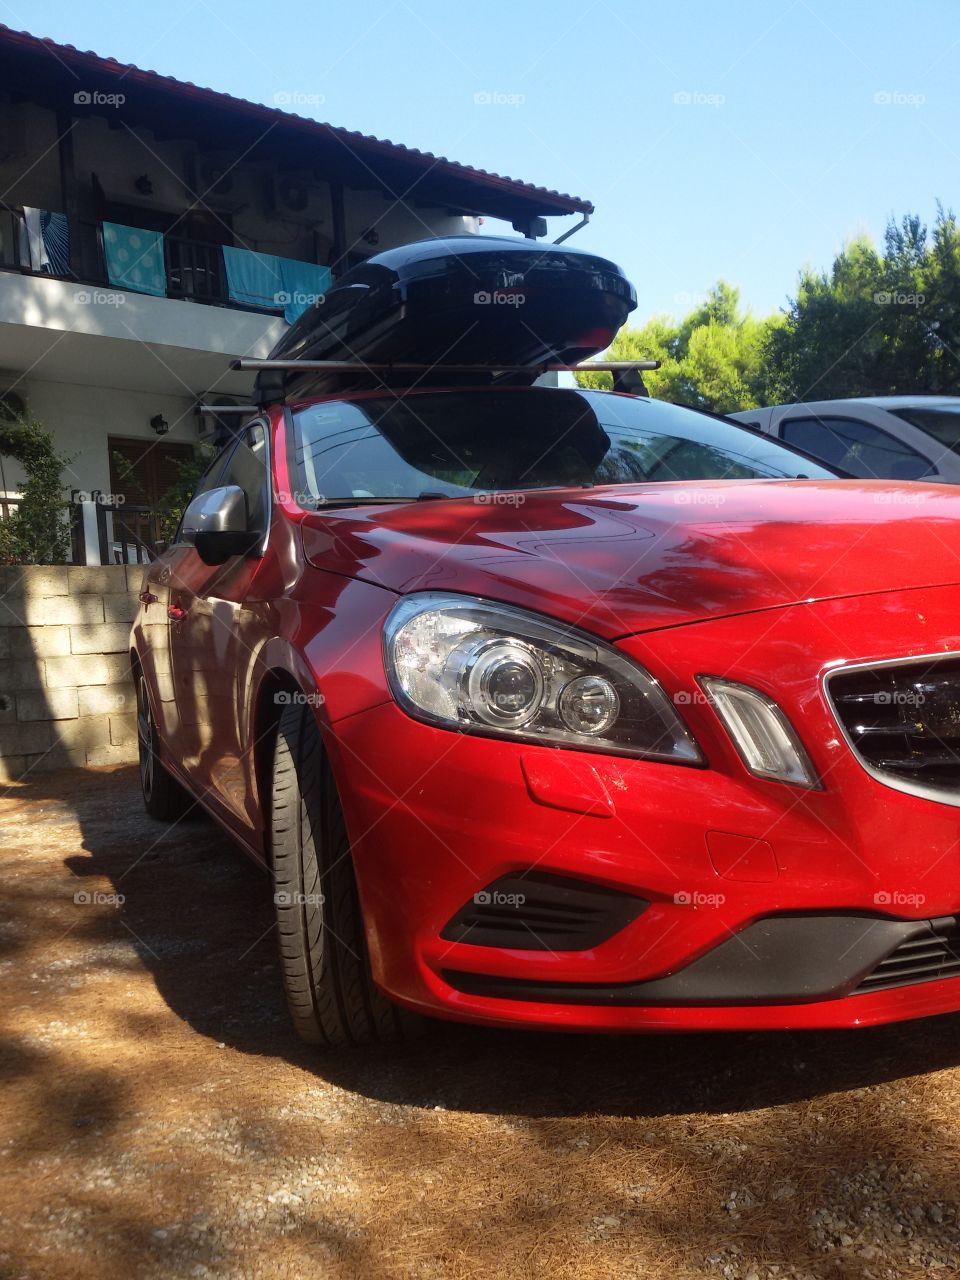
point(38, 255)
point(264, 280)
point(304, 283)
point(55, 234)
point(254, 279)
point(134, 259)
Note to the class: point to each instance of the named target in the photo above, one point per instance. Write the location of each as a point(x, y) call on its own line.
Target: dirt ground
point(159, 1118)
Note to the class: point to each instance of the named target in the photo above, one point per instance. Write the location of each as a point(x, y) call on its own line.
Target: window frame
point(823, 418)
point(219, 464)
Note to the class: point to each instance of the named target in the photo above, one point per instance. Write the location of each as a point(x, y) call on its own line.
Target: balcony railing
point(103, 534)
point(194, 269)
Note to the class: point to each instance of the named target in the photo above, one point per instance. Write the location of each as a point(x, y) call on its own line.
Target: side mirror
point(216, 524)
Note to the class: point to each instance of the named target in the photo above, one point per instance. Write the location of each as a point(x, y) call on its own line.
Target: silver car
point(877, 437)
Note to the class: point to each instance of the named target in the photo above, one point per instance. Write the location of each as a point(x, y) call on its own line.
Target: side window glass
point(247, 468)
point(857, 447)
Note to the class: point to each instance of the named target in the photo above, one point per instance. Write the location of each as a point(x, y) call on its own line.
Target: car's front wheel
point(323, 951)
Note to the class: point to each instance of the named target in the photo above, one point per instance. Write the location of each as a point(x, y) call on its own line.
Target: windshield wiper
point(323, 504)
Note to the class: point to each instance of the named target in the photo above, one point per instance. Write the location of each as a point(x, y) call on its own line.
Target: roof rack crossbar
point(227, 408)
point(246, 364)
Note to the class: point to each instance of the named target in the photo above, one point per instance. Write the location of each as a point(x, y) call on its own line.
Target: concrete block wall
point(66, 694)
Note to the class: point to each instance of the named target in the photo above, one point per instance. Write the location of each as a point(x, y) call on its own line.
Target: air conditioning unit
point(209, 176)
point(289, 194)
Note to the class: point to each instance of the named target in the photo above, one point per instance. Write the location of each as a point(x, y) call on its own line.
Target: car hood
point(617, 560)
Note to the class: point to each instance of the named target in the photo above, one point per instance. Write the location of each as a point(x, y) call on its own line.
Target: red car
point(567, 709)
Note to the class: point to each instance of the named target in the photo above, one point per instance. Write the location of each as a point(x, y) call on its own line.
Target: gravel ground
point(160, 1119)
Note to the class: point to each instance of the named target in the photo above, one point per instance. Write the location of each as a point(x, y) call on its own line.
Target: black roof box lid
point(476, 300)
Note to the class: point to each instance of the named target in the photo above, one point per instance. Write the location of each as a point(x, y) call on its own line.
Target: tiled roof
point(76, 60)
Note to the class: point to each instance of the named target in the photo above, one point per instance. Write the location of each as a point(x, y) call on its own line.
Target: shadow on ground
point(199, 916)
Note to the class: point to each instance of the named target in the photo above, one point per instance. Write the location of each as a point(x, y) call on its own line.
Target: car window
point(247, 467)
point(941, 421)
point(398, 447)
point(857, 447)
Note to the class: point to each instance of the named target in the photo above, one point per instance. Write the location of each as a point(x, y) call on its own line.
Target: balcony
point(76, 326)
point(191, 270)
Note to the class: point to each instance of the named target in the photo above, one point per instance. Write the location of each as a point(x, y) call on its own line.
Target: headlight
point(469, 664)
point(762, 734)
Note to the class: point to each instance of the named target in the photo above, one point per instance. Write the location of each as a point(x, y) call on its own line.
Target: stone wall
point(66, 694)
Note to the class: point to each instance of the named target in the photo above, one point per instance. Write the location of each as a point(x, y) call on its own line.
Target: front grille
point(534, 911)
point(903, 721)
point(934, 953)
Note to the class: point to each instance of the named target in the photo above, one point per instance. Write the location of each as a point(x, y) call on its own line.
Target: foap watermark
point(97, 98)
point(900, 498)
point(684, 298)
point(898, 298)
point(898, 898)
point(297, 698)
point(497, 98)
point(99, 297)
point(698, 498)
point(698, 98)
point(291, 898)
point(499, 298)
point(102, 499)
point(301, 497)
point(898, 98)
point(690, 698)
point(97, 898)
point(898, 698)
point(298, 98)
point(493, 499)
point(298, 299)
point(495, 898)
point(694, 898)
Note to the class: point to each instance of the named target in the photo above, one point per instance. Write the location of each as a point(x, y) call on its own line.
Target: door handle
point(175, 612)
point(147, 597)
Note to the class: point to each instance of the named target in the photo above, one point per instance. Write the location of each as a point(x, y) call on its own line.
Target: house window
point(143, 471)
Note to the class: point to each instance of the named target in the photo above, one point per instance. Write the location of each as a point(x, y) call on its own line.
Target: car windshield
point(458, 443)
point(941, 421)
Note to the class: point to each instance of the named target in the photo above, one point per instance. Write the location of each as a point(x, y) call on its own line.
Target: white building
point(150, 231)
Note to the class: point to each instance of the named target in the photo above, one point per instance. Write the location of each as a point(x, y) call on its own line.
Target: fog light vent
point(539, 912)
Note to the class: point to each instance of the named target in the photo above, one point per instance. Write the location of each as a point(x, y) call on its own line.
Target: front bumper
point(764, 905)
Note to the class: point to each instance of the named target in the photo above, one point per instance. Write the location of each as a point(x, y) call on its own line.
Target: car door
point(209, 643)
point(855, 445)
point(154, 622)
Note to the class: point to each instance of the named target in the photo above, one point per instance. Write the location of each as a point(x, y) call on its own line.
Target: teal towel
point(255, 279)
point(303, 284)
point(264, 280)
point(134, 259)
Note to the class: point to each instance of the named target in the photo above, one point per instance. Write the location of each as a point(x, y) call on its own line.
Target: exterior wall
point(93, 361)
point(66, 693)
point(118, 157)
point(82, 418)
point(29, 160)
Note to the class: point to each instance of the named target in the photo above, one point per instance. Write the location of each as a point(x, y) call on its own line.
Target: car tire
point(323, 951)
point(163, 797)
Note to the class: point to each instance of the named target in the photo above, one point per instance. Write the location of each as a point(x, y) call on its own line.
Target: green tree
point(711, 359)
point(35, 531)
point(876, 323)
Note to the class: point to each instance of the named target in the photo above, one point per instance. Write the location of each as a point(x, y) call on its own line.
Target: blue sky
point(800, 123)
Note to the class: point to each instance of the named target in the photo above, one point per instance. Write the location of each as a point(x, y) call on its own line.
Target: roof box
point(459, 300)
